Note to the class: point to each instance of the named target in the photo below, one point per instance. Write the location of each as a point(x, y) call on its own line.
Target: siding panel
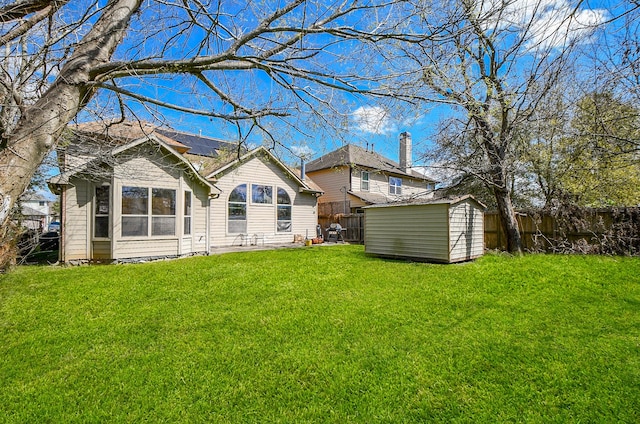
point(77, 216)
point(407, 231)
point(440, 232)
point(261, 218)
point(467, 231)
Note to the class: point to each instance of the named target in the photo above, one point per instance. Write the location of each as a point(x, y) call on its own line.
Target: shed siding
point(331, 180)
point(408, 231)
point(261, 218)
point(77, 220)
point(467, 231)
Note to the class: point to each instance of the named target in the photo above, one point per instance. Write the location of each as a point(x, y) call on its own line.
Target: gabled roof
point(352, 155)
point(118, 133)
point(63, 178)
point(305, 185)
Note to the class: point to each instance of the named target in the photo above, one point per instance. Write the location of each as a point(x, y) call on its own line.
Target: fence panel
point(353, 224)
point(543, 231)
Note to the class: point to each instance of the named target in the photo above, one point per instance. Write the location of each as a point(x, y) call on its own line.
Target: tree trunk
point(42, 123)
point(508, 221)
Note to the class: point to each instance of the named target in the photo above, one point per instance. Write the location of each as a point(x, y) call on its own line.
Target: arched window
point(237, 218)
point(284, 211)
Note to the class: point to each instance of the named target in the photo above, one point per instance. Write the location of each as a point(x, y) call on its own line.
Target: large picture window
point(261, 194)
point(237, 204)
point(137, 212)
point(284, 211)
point(395, 185)
point(101, 216)
point(163, 212)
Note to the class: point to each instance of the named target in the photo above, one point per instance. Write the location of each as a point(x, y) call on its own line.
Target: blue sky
point(365, 121)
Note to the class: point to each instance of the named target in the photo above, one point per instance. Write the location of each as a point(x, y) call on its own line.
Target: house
point(353, 177)
point(36, 211)
point(131, 190)
point(434, 230)
point(261, 201)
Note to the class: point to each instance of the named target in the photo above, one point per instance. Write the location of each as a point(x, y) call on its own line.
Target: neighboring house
point(438, 230)
point(132, 190)
point(353, 177)
point(36, 212)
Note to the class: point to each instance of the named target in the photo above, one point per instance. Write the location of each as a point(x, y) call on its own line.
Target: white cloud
point(304, 152)
point(373, 120)
point(544, 23)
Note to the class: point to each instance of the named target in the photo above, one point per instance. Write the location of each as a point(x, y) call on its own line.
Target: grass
point(323, 334)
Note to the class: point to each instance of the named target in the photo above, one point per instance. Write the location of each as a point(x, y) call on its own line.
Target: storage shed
point(439, 230)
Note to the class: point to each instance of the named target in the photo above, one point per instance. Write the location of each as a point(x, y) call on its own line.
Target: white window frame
point(99, 213)
point(395, 185)
point(283, 206)
point(149, 215)
point(246, 209)
point(187, 209)
point(364, 180)
point(266, 197)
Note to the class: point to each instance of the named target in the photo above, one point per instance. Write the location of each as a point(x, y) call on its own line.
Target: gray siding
point(77, 220)
point(467, 231)
point(439, 232)
point(379, 184)
point(261, 218)
point(408, 231)
point(141, 167)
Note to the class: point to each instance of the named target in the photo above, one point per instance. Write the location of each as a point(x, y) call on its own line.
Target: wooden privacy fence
point(352, 223)
point(611, 231)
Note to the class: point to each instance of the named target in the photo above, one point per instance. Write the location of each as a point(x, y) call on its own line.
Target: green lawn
point(323, 334)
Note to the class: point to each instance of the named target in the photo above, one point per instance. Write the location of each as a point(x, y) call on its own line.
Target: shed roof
point(436, 201)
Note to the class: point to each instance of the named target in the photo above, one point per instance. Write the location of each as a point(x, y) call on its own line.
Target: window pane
point(135, 200)
point(163, 226)
point(283, 197)
point(102, 226)
point(261, 194)
point(284, 213)
point(187, 225)
point(102, 200)
point(237, 226)
point(187, 203)
point(237, 211)
point(395, 185)
point(284, 226)
point(239, 194)
point(164, 201)
point(134, 226)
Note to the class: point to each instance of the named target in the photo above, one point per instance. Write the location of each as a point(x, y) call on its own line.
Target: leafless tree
point(236, 61)
point(492, 63)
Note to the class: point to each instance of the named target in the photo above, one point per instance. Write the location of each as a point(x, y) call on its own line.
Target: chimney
point(405, 152)
point(302, 169)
